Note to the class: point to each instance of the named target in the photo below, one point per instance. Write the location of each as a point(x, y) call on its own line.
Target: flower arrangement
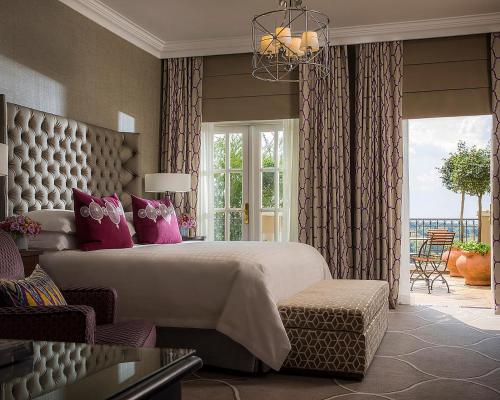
point(187, 221)
point(20, 226)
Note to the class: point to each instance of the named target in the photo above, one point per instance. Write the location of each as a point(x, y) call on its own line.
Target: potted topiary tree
point(467, 171)
point(475, 263)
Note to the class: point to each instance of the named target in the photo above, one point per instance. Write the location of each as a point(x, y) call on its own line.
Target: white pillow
point(62, 221)
point(54, 241)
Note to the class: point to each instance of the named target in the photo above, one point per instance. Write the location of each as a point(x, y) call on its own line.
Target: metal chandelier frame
point(278, 65)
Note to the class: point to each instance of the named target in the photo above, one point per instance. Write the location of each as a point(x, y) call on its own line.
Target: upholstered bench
point(336, 326)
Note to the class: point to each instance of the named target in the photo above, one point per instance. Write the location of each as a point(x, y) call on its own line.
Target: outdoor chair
point(429, 262)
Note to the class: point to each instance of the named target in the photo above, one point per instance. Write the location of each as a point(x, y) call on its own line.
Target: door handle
point(246, 218)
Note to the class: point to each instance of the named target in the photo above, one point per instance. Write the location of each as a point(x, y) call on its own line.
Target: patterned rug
point(428, 353)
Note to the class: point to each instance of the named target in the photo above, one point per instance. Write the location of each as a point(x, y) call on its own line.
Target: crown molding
point(420, 29)
point(121, 26)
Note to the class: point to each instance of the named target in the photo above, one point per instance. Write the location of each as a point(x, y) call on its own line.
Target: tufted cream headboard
point(49, 155)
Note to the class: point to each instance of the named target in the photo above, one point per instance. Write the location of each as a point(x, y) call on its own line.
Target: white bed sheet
point(232, 287)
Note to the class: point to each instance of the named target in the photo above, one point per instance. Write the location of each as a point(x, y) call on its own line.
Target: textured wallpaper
point(56, 60)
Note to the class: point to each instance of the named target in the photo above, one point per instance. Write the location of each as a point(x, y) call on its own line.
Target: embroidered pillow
point(37, 290)
point(155, 221)
point(100, 222)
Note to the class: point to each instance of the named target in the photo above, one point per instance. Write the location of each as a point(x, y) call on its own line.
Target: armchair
point(89, 316)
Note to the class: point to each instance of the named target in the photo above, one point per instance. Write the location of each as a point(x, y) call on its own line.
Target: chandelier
point(287, 38)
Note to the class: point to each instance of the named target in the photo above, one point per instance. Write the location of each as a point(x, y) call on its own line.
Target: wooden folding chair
point(430, 258)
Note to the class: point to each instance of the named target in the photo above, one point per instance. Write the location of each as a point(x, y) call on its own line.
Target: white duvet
point(232, 287)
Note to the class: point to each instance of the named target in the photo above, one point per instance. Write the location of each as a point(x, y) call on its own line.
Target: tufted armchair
point(89, 317)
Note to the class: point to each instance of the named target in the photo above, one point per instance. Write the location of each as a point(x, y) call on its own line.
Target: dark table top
point(83, 371)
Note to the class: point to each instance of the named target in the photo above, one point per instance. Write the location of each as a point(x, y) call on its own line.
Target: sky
point(431, 140)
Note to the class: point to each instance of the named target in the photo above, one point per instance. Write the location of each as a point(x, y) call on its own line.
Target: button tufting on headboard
point(49, 155)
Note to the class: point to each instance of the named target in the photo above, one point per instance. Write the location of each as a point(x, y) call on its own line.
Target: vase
point(475, 268)
point(452, 261)
point(184, 232)
point(22, 243)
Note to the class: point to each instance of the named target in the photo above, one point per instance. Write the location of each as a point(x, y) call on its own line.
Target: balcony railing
point(419, 227)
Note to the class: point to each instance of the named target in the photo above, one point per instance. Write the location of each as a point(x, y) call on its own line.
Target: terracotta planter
point(452, 261)
point(475, 268)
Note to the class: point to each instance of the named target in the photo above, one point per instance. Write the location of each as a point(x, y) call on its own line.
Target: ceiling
point(177, 25)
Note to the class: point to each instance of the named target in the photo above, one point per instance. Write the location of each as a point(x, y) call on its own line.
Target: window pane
point(281, 190)
point(236, 150)
point(219, 190)
point(267, 149)
point(281, 148)
point(219, 226)
point(235, 189)
point(267, 226)
point(235, 225)
point(268, 195)
point(219, 151)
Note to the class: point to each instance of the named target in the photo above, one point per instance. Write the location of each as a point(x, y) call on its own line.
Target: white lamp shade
point(267, 45)
point(310, 41)
point(4, 159)
point(284, 35)
point(167, 182)
point(294, 48)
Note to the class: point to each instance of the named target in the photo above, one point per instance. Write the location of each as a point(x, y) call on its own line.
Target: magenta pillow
point(155, 221)
point(100, 222)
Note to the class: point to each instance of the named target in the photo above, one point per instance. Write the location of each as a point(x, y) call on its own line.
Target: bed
point(219, 298)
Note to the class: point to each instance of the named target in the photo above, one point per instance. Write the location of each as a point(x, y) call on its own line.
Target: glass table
point(82, 371)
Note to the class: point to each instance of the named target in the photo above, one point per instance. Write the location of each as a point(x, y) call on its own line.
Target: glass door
point(246, 167)
point(230, 182)
point(267, 182)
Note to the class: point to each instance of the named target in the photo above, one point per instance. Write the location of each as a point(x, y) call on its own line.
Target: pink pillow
point(100, 222)
point(155, 221)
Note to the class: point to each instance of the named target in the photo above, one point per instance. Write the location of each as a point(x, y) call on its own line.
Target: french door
point(247, 181)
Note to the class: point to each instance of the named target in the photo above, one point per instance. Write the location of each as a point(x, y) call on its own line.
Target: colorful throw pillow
point(100, 222)
point(37, 290)
point(155, 221)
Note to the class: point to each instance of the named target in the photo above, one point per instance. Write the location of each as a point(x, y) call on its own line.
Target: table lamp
point(167, 182)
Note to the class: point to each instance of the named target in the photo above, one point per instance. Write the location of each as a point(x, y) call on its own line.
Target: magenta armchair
point(89, 316)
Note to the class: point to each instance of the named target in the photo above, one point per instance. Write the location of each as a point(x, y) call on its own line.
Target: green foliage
point(467, 170)
point(475, 247)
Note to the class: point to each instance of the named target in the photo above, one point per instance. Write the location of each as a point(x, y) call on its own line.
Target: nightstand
point(30, 260)
point(193, 238)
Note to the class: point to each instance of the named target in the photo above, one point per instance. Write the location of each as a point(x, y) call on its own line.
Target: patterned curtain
point(324, 155)
point(495, 167)
point(181, 124)
point(379, 163)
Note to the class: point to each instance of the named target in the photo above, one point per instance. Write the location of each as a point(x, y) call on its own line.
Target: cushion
point(136, 333)
point(54, 241)
point(54, 220)
point(155, 221)
point(335, 305)
point(37, 290)
point(100, 222)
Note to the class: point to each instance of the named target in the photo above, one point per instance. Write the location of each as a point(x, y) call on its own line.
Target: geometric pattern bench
point(336, 326)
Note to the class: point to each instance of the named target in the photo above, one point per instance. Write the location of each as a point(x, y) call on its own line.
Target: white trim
point(110, 19)
point(404, 268)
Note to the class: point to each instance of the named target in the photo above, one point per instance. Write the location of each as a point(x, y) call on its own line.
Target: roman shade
point(231, 93)
point(446, 77)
